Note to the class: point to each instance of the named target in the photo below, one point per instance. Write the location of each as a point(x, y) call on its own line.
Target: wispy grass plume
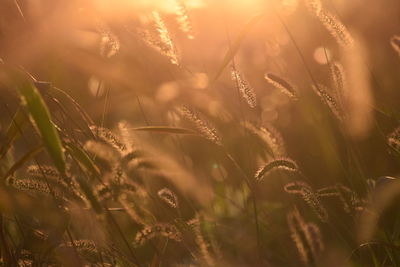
point(393, 139)
point(183, 18)
point(338, 76)
point(309, 196)
point(306, 237)
point(109, 44)
point(166, 45)
point(201, 242)
point(157, 230)
point(281, 84)
point(336, 28)
point(205, 128)
point(349, 199)
point(280, 164)
point(271, 137)
point(108, 137)
point(322, 92)
point(314, 6)
point(244, 87)
point(168, 197)
point(130, 209)
point(333, 25)
point(46, 170)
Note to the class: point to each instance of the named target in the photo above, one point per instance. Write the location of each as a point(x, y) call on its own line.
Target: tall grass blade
point(40, 115)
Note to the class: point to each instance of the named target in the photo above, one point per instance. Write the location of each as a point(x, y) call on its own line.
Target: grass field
point(199, 133)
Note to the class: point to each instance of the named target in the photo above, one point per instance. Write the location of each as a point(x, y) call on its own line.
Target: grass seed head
point(395, 43)
point(184, 20)
point(159, 229)
point(281, 84)
point(168, 197)
point(244, 87)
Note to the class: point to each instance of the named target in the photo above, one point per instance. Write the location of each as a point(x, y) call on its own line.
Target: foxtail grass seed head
point(329, 191)
point(322, 92)
point(109, 44)
point(102, 150)
point(130, 209)
point(339, 79)
point(126, 137)
point(46, 170)
point(341, 192)
point(314, 6)
point(204, 127)
point(166, 45)
point(82, 245)
point(33, 186)
point(49, 175)
point(313, 235)
point(275, 140)
point(281, 84)
point(395, 43)
point(309, 196)
point(394, 142)
point(393, 139)
point(298, 240)
point(297, 187)
point(40, 234)
point(160, 229)
point(349, 199)
point(108, 137)
point(201, 242)
point(336, 29)
point(270, 136)
point(88, 250)
point(313, 201)
point(280, 164)
point(168, 197)
point(306, 237)
point(183, 18)
point(193, 222)
point(244, 87)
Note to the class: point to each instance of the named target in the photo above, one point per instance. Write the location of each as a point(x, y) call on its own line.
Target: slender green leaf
point(168, 130)
point(40, 115)
point(19, 121)
point(64, 96)
point(82, 158)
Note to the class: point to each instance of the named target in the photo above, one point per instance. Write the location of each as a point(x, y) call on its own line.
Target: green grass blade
point(82, 158)
point(58, 93)
point(40, 115)
point(167, 130)
point(19, 121)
